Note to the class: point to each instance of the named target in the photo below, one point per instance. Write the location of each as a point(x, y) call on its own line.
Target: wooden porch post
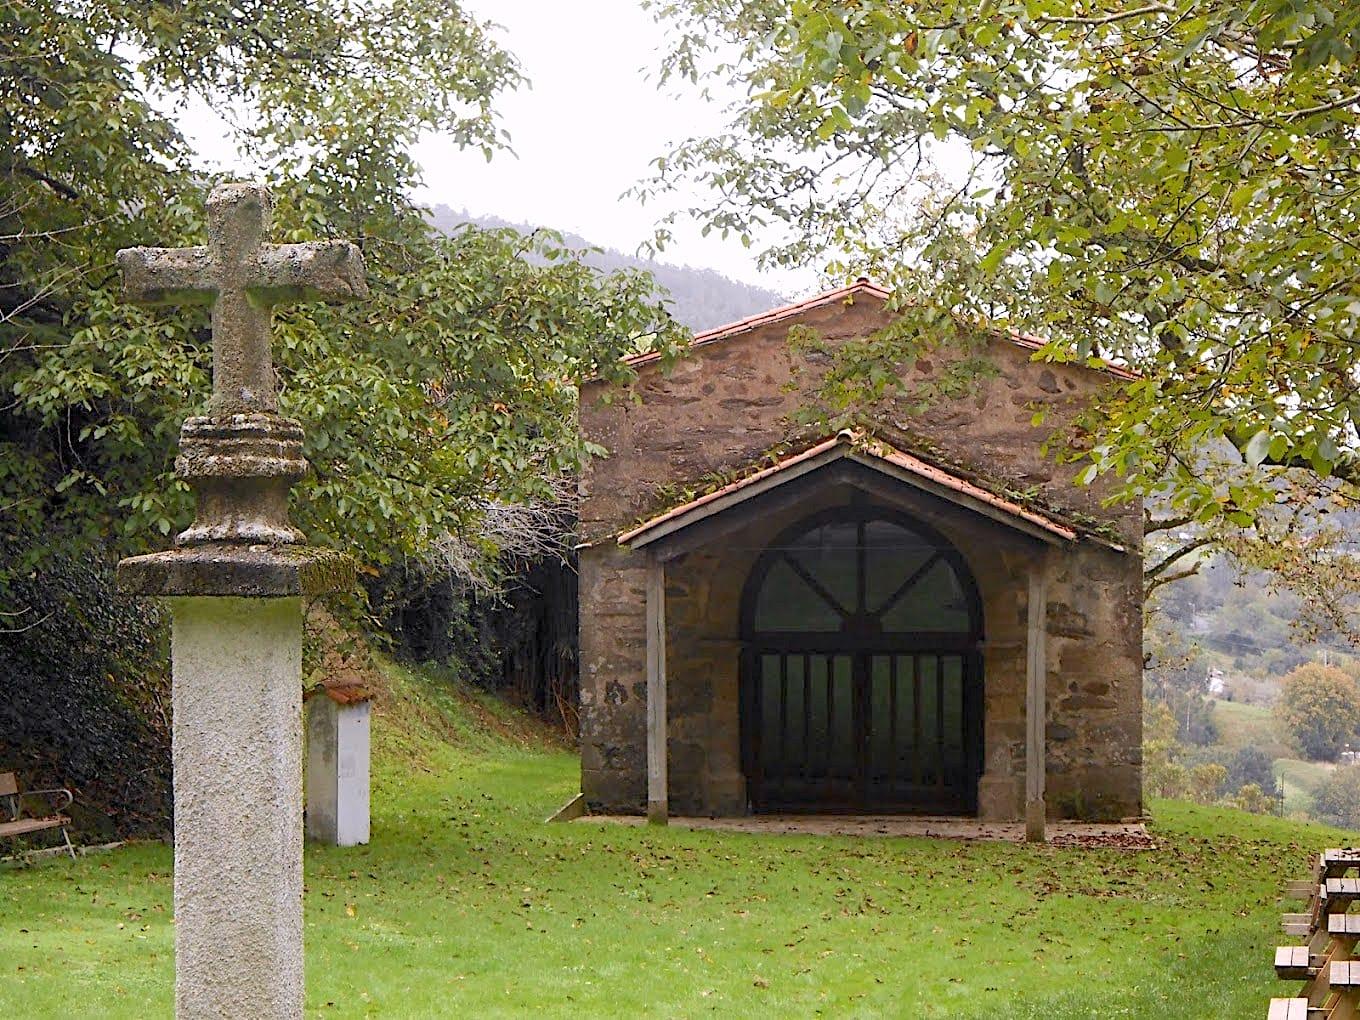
point(1036, 677)
point(658, 808)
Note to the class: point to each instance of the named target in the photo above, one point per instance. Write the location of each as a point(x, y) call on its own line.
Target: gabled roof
point(876, 456)
point(860, 288)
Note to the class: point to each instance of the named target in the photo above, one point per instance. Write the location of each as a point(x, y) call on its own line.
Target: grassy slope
point(1301, 780)
point(1242, 725)
point(466, 904)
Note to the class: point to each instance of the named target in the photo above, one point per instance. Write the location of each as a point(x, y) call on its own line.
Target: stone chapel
point(926, 617)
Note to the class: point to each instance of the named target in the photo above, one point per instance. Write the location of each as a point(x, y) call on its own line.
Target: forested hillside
point(699, 298)
point(1239, 624)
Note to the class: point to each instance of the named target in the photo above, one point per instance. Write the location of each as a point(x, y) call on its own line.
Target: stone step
point(1299, 925)
point(1300, 890)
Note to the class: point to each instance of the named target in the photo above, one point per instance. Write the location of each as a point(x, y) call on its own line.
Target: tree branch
point(1108, 19)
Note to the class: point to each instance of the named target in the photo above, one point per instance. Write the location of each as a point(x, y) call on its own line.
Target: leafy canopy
point(454, 386)
point(1319, 708)
point(1169, 184)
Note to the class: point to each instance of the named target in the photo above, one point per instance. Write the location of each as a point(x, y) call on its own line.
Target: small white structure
point(1218, 686)
point(337, 763)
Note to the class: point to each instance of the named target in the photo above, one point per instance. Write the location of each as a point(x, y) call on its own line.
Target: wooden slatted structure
point(1326, 960)
point(1288, 1009)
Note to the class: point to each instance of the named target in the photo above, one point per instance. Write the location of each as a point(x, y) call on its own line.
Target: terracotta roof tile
point(342, 692)
point(859, 447)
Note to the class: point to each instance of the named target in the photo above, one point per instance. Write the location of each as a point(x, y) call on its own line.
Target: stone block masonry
point(724, 408)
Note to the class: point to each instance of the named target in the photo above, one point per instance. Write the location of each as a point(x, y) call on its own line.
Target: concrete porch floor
point(1118, 835)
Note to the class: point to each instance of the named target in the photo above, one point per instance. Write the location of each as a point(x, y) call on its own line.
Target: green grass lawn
point(467, 904)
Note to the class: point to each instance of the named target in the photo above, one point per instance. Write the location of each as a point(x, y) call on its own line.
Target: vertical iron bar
point(830, 723)
point(753, 663)
point(892, 724)
point(804, 766)
point(783, 726)
point(916, 719)
point(861, 569)
point(939, 720)
point(859, 789)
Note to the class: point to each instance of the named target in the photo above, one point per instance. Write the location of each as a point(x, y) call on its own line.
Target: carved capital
point(241, 467)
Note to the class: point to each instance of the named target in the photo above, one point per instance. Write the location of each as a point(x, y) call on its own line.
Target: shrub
point(85, 695)
point(1206, 782)
point(1254, 799)
point(1251, 766)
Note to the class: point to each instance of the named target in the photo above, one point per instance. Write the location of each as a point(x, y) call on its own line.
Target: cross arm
point(158, 276)
point(316, 271)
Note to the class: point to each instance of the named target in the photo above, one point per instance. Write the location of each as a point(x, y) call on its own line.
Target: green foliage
point(1206, 782)
point(1163, 774)
point(1174, 676)
point(1319, 707)
point(454, 385)
point(1251, 766)
point(699, 299)
point(1206, 774)
point(85, 700)
point(1243, 620)
point(1162, 184)
point(1337, 799)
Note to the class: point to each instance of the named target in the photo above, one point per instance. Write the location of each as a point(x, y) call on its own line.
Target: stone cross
point(235, 585)
point(243, 278)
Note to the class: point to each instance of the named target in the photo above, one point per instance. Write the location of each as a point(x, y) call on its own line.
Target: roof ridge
point(863, 285)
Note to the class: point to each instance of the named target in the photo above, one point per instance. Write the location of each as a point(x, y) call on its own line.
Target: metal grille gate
point(875, 717)
point(860, 732)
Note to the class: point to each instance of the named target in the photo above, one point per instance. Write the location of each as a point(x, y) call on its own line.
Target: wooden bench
point(1344, 974)
point(1339, 860)
point(1339, 893)
point(17, 825)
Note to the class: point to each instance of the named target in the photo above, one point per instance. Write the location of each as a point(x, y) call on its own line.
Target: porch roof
point(877, 456)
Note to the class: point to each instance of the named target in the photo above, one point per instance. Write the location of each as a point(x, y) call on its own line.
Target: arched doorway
point(861, 672)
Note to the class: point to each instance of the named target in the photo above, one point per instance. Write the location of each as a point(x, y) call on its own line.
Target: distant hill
point(700, 298)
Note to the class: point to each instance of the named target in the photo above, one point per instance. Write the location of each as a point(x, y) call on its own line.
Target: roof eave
point(900, 466)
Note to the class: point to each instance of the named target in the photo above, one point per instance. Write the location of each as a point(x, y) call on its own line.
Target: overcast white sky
point(583, 134)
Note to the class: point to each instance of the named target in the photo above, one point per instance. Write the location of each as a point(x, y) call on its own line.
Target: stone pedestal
point(237, 730)
point(337, 764)
point(238, 806)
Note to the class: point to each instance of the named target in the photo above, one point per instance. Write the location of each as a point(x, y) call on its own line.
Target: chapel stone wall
point(729, 403)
